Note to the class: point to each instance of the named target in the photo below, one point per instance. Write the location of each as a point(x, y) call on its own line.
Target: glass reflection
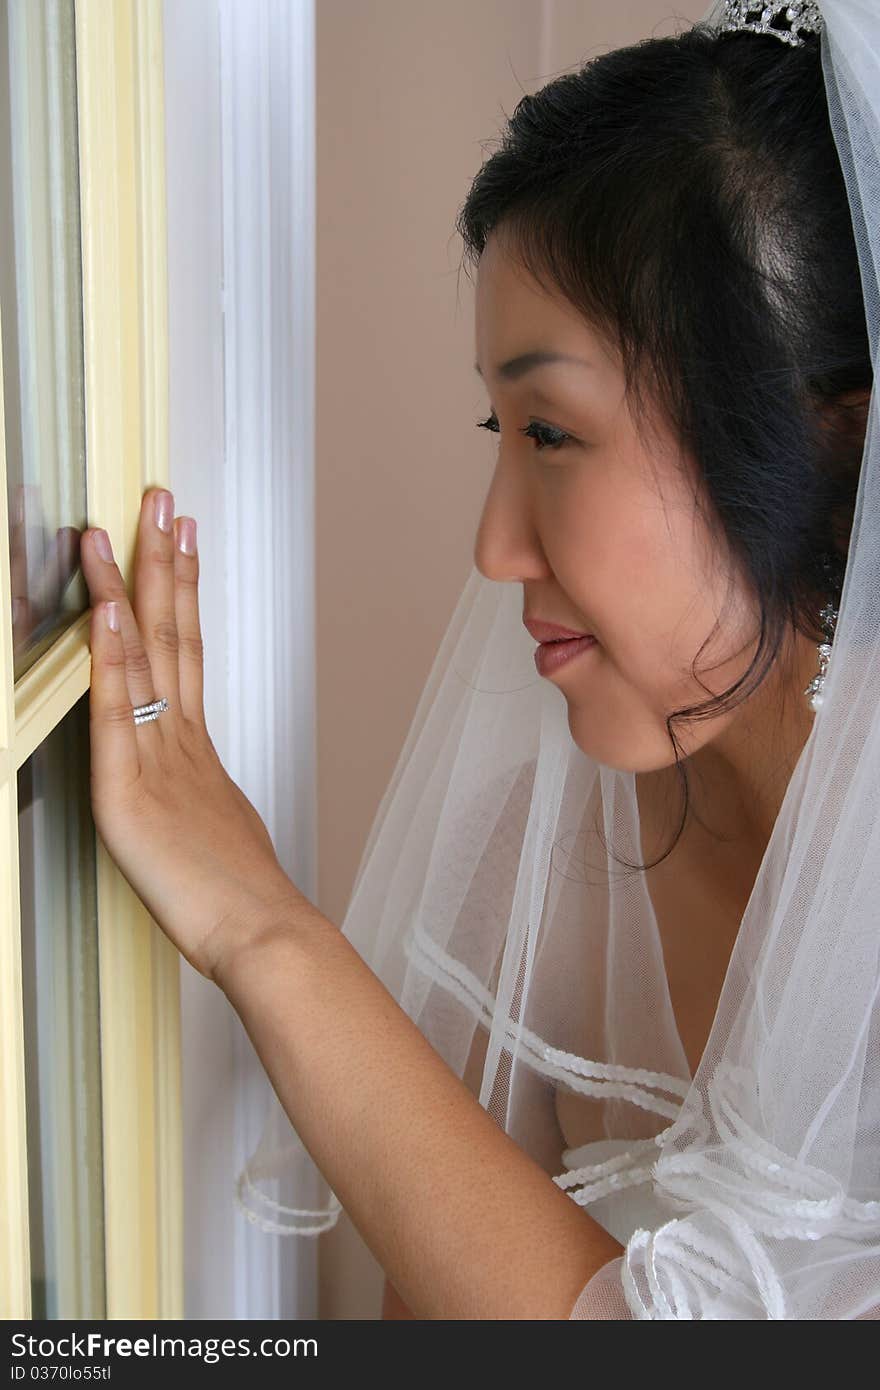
point(59, 950)
point(41, 317)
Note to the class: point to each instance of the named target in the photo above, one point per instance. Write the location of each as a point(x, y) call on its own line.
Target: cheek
point(643, 573)
point(630, 566)
point(636, 571)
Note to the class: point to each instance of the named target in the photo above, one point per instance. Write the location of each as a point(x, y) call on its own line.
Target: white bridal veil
point(489, 903)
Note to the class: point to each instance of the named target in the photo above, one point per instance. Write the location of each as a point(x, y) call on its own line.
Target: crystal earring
point(828, 618)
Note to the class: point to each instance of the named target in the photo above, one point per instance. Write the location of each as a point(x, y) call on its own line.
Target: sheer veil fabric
point(489, 903)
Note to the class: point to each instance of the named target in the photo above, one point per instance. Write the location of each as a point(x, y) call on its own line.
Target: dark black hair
point(686, 196)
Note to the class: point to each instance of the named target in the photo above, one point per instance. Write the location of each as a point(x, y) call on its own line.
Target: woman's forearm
point(462, 1221)
point(393, 1307)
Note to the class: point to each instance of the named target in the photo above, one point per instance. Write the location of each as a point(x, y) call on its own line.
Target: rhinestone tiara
point(761, 17)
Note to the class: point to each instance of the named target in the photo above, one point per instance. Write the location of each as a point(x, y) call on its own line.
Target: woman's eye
point(490, 424)
point(544, 436)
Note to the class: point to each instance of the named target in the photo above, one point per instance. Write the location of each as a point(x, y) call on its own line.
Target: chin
point(619, 748)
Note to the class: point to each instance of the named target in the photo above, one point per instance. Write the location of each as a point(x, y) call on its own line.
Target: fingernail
point(186, 535)
point(102, 544)
point(164, 510)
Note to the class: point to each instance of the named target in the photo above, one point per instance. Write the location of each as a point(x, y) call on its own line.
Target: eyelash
point(556, 440)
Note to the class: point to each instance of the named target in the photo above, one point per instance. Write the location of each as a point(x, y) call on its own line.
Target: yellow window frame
point(119, 62)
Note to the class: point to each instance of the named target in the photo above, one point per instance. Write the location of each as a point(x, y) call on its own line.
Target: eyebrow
point(527, 361)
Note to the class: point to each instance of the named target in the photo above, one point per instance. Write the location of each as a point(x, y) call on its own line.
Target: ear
point(845, 417)
point(858, 399)
point(843, 420)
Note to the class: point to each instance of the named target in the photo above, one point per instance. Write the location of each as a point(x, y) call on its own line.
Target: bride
point(542, 1087)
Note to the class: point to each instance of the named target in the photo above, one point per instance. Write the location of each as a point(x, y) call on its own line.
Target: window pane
point(41, 315)
point(59, 949)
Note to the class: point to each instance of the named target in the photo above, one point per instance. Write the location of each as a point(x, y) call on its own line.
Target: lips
point(551, 657)
point(550, 632)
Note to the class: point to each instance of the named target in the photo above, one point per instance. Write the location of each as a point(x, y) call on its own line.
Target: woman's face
point(603, 532)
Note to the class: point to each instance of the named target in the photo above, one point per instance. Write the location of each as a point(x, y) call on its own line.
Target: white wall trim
point(246, 385)
point(266, 53)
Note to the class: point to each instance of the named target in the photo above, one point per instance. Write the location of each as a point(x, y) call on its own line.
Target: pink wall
point(406, 93)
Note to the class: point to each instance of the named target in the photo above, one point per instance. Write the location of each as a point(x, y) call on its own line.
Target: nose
point(507, 546)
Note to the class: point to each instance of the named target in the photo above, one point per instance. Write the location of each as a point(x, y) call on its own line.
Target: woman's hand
point(187, 839)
